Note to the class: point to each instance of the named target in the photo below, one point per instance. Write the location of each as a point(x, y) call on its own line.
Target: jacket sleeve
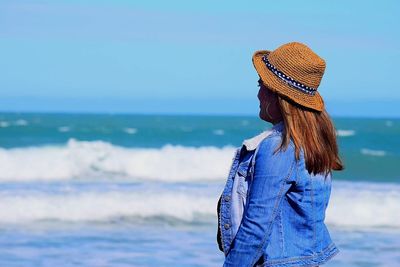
point(272, 179)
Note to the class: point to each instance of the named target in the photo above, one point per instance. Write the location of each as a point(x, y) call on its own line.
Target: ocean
point(141, 190)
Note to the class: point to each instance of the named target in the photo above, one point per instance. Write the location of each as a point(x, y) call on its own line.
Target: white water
point(364, 204)
point(345, 133)
point(99, 159)
point(352, 204)
point(105, 206)
point(371, 152)
point(359, 205)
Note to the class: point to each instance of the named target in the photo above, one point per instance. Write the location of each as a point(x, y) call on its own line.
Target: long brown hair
point(312, 131)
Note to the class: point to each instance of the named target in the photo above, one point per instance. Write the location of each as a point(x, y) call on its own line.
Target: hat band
point(293, 83)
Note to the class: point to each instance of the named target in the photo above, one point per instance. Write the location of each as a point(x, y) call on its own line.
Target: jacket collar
point(253, 142)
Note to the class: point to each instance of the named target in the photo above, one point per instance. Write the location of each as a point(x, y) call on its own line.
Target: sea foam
point(371, 152)
point(352, 205)
point(103, 206)
point(99, 159)
point(345, 133)
point(364, 204)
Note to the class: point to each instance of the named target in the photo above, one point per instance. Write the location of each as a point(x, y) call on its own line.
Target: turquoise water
point(141, 190)
point(370, 147)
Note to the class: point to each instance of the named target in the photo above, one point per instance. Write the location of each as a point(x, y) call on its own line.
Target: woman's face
point(269, 105)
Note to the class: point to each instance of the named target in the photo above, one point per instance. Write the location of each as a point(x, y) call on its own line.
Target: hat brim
point(275, 84)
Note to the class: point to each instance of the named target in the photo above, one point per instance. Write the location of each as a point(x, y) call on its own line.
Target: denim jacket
point(271, 211)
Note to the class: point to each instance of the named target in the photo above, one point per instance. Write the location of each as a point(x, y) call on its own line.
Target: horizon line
point(194, 114)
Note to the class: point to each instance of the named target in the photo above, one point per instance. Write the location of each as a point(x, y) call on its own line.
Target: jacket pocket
point(242, 187)
point(242, 176)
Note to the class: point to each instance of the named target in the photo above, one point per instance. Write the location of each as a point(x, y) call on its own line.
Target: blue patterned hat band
point(290, 81)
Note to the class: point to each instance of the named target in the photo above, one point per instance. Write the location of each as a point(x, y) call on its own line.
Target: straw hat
point(292, 70)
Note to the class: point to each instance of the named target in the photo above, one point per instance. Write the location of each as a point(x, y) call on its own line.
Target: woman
point(272, 209)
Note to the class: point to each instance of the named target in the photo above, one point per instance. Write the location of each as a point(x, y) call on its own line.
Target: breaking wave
point(352, 204)
point(102, 160)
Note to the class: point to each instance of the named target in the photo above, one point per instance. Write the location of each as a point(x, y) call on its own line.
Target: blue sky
point(190, 57)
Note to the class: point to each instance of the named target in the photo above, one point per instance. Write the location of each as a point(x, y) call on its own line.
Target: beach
point(141, 190)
